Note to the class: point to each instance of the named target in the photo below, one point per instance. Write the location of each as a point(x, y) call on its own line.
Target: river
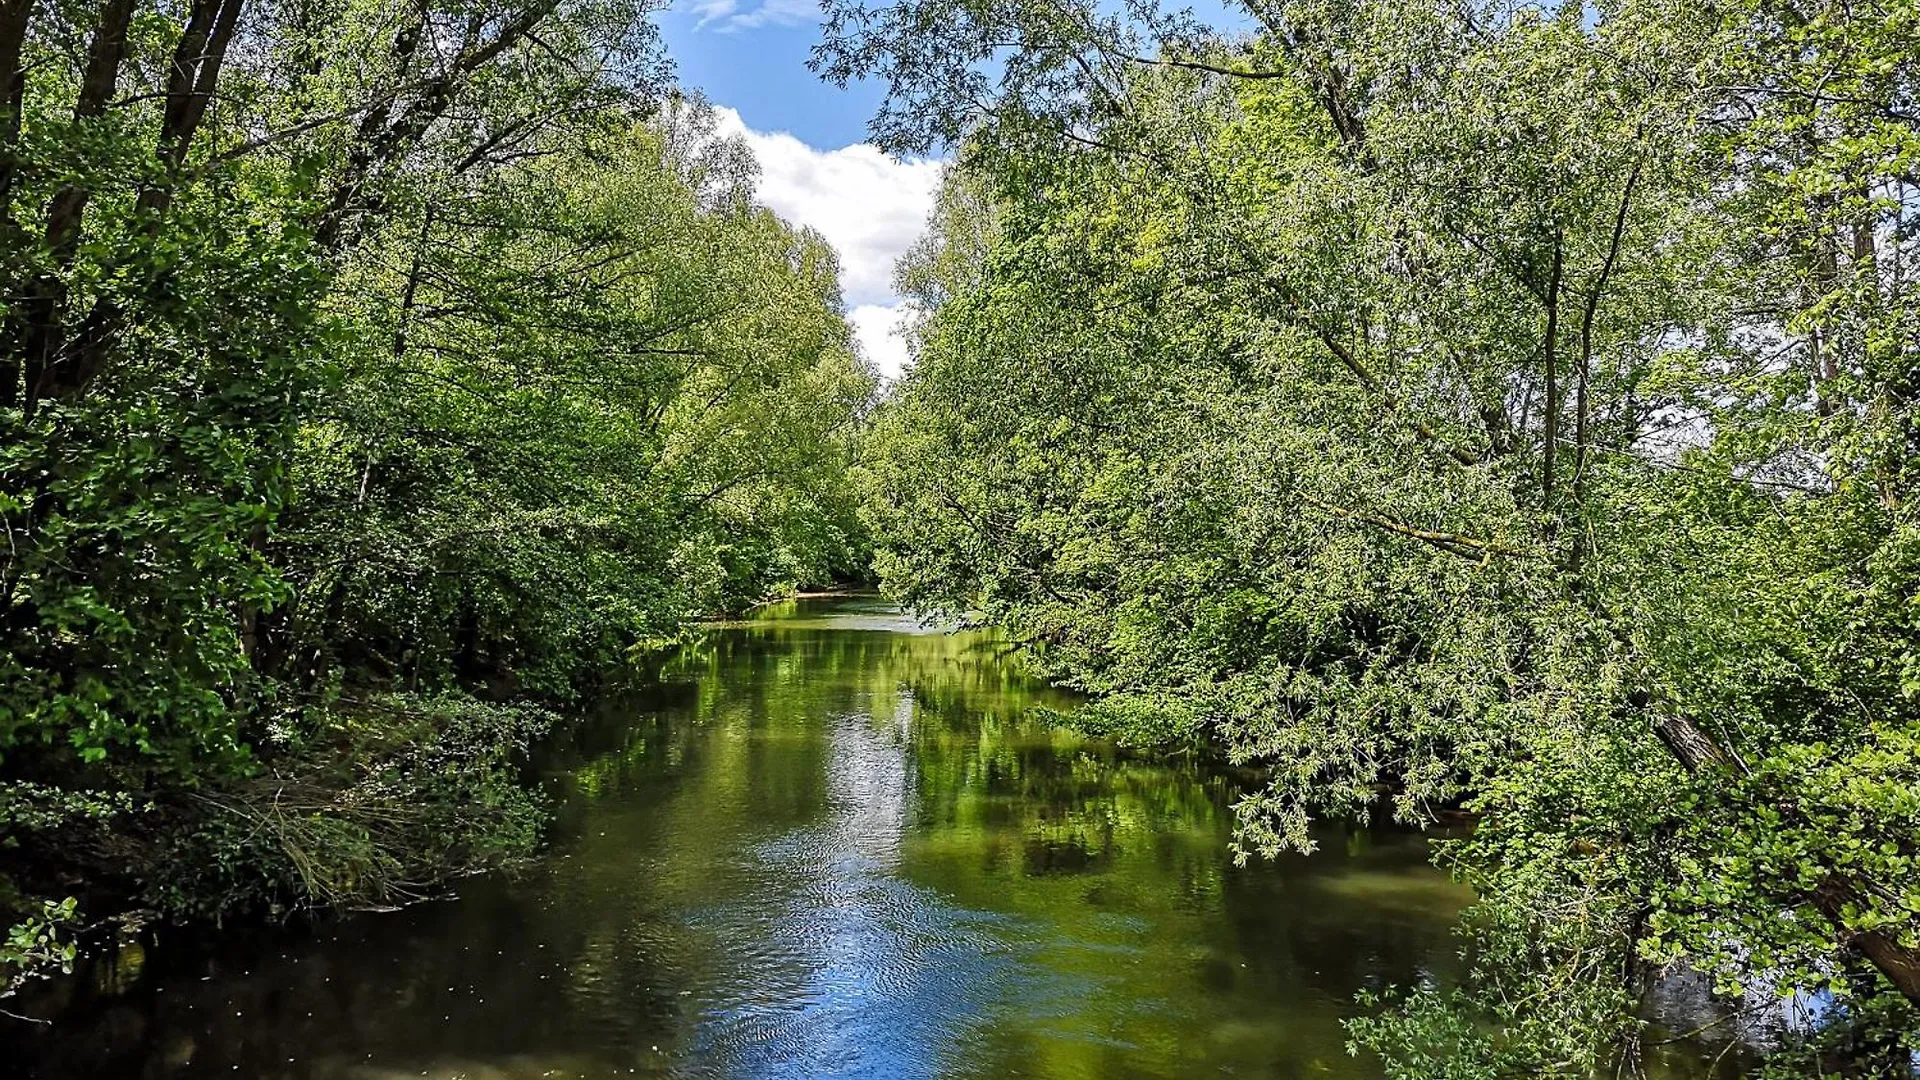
point(832, 843)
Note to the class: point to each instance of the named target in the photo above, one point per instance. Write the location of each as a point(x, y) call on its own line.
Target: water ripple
point(859, 973)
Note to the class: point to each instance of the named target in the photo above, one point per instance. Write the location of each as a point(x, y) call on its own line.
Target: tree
point(1456, 423)
point(373, 375)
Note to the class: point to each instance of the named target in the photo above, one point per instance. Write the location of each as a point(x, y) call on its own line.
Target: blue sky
point(751, 55)
point(816, 169)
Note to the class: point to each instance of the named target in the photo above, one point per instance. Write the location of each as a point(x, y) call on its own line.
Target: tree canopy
point(373, 375)
point(1496, 406)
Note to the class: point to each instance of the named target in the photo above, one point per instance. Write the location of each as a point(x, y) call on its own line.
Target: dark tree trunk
point(14, 17)
point(39, 333)
point(1698, 752)
point(1898, 963)
point(384, 139)
point(191, 80)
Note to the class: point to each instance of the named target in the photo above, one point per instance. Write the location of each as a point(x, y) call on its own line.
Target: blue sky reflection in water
point(881, 977)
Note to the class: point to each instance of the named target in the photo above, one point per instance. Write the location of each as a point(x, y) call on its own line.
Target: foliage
point(1495, 406)
point(581, 404)
point(392, 795)
point(27, 807)
point(370, 371)
point(34, 945)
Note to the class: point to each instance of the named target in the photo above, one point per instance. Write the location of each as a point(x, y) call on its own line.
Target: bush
point(362, 803)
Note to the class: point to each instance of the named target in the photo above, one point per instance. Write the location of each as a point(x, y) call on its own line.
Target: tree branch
point(1452, 543)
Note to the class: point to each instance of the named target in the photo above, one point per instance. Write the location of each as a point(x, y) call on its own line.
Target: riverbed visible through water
point(834, 843)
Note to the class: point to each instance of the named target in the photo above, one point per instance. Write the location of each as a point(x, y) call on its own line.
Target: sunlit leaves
point(1437, 409)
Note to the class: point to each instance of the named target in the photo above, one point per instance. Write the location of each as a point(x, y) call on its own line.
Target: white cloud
point(775, 13)
point(710, 11)
point(729, 17)
point(869, 206)
point(876, 329)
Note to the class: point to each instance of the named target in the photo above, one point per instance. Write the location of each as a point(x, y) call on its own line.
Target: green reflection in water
point(1103, 929)
point(830, 844)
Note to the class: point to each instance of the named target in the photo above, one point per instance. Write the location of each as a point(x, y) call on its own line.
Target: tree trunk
point(191, 81)
point(1550, 346)
point(14, 16)
point(381, 142)
point(1698, 752)
point(40, 336)
point(1898, 963)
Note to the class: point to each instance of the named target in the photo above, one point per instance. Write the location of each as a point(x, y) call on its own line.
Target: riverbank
point(368, 799)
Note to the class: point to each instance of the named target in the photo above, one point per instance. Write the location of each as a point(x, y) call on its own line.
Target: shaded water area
point(832, 844)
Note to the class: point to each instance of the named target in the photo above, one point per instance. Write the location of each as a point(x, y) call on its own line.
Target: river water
point(833, 844)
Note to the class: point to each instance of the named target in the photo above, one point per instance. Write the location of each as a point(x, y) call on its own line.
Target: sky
point(750, 58)
point(816, 169)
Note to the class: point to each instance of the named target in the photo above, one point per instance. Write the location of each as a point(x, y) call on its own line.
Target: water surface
point(833, 844)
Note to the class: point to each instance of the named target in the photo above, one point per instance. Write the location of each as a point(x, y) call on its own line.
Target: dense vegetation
point(1474, 405)
point(373, 375)
point(1442, 406)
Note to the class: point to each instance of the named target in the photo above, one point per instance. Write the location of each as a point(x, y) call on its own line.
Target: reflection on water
point(874, 975)
point(830, 846)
